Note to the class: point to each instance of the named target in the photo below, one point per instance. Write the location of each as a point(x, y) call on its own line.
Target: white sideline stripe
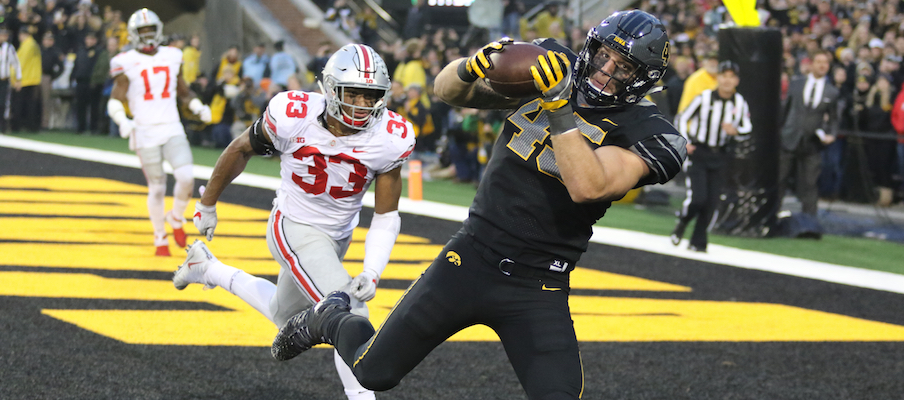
point(717, 254)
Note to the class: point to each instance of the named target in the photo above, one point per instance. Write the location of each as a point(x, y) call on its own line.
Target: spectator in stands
point(198, 132)
point(64, 36)
point(317, 63)
point(830, 179)
point(257, 65)
point(411, 68)
point(417, 112)
point(249, 103)
point(231, 61)
point(25, 111)
point(222, 113)
point(10, 73)
point(341, 15)
point(367, 27)
point(880, 151)
point(282, 65)
point(84, 21)
point(191, 60)
point(177, 41)
point(87, 98)
point(51, 68)
point(702, 79)
point(682, 67)
point(511, 14)
point(415, 21)
point(542, 21)
point(463, 133)
point(102, 84)
point(116, 28)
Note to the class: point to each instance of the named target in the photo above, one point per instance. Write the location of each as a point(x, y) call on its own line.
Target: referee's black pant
point(705, 176)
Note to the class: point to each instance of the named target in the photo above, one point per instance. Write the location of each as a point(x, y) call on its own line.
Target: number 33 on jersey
point(324, 177)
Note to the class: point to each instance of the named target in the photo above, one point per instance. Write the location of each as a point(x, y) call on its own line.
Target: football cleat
point(678, 233)
point(306, 329)
point(178, 232)
point(162, 245)
point(194, 267)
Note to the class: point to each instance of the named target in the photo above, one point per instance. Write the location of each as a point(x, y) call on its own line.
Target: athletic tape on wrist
point(464, 74)
point(561, 120)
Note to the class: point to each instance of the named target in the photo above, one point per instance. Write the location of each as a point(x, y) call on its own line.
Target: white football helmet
point(355, 66)
point(146, 42)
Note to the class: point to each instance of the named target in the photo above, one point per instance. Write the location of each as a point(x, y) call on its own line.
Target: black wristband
point(561, 120)
point(464, 74)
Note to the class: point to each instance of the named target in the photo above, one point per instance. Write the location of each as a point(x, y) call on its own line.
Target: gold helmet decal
point(453, 258)
point(665, 54)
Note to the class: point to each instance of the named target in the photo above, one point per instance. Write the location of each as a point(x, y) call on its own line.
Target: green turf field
point(857, 252)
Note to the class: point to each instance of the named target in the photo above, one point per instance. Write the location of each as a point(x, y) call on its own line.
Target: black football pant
point(465, 286)
point(705, 179)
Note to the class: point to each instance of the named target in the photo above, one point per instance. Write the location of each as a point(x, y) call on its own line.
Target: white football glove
point(364, 286)
point(201, 110)
point(126, 128)
point(205, 219)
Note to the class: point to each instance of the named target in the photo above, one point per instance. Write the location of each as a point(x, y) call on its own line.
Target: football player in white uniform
point(331, 147)
point(149, 78)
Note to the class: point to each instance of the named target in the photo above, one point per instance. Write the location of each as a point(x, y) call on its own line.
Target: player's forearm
point(584, 175)
point(230, 164)
point(452, 90)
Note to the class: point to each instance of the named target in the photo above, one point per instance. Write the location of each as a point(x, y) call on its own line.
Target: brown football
point(510, 75)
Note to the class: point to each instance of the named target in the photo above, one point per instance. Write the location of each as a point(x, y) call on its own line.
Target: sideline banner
point(750, 201)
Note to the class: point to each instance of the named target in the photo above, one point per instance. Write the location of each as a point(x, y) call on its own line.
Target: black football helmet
point(637, 36)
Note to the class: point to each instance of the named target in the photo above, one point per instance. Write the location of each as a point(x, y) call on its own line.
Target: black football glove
point(476, 66)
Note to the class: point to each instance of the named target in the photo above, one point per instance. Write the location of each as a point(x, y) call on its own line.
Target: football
point(510, 75)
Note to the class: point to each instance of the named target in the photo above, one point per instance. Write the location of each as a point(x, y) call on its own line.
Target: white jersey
point(324, 177)
point(152, 92)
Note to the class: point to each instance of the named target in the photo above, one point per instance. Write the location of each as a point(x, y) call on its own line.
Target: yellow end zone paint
point(124, 245)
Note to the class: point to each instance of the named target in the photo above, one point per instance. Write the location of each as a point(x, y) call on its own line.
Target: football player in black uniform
point(561, 159)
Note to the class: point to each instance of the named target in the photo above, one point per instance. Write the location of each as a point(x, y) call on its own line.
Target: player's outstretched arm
point(475, 94)
point(383, 232)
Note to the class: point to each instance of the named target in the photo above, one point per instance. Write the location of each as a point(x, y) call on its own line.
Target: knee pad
point(156, 191)
point(183, 174)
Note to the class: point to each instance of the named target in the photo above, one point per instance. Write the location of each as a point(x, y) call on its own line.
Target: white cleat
point(194, 267)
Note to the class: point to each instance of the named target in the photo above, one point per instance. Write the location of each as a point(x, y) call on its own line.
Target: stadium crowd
point(66, 77)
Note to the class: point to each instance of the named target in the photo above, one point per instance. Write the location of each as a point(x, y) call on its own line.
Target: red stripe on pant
point(293, 263)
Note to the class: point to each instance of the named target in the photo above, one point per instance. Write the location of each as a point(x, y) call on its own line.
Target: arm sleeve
point(688, 119)
point(381, 237)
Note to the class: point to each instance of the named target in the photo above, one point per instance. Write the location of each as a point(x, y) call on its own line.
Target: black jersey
point(523, 210)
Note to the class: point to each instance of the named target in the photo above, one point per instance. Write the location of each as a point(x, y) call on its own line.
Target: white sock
point(182, 191)
point(156, 192)
point(255, 291)
point(353, 389)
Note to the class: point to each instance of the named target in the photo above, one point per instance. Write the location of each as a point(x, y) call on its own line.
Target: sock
point(156, 192)
point(255, 291)
point(353, 389)
point(182, 191)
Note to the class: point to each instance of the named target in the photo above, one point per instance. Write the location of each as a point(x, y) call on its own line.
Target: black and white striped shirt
point(701, 122)
point(9, 61)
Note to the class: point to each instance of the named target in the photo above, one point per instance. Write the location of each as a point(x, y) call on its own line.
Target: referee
point(9, 66)
point(707, 123)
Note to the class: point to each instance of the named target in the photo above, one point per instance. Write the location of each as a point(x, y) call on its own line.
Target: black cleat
point(678, 233)
point(306, 329)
